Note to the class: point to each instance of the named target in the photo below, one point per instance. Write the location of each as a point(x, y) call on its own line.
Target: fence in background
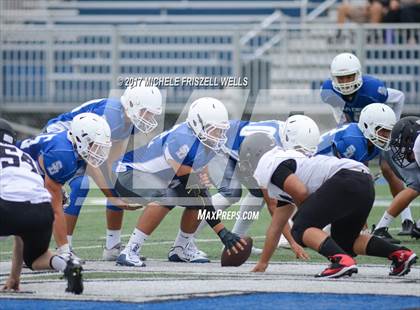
point(50, 65)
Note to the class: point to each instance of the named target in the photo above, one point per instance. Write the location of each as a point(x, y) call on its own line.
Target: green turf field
point(88, 239)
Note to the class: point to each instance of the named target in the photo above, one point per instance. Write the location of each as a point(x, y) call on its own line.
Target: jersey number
point(10, 157)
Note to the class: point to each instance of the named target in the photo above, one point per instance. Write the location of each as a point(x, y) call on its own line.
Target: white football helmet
point(208, 119)
point(91, 135)
point(141, 104)
point(343, 65)
point(300, 133)
point(375, 118)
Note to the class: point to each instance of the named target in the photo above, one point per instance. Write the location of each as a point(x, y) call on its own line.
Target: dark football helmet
point(7, 134)
point(403, 136)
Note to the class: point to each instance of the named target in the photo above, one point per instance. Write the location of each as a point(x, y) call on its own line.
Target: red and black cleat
point(402, 260)
point(341, 265)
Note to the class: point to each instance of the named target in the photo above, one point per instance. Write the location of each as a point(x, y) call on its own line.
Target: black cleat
point(415, 232)
point(74, 277)
point(406, 228)
point(385, 235)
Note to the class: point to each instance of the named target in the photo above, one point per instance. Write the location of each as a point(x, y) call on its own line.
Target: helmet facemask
point(98, 153)
point(377, 137)
point(214, 135)
point(94, 153)
point(402, 152)
point(145, 121)
point(347, 88)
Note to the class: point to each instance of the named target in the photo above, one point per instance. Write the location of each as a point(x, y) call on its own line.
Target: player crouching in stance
point(26, 213)
point(60, 155)
point(160, 176)
point(327, 190)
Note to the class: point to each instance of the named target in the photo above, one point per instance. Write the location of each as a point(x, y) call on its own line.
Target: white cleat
point(193, 248)
point(186, 255)
point(112, 254)
point(256, 251)
point(130, 257)
point(283, 243)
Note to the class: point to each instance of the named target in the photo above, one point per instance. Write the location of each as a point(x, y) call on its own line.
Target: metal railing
point(47, 66)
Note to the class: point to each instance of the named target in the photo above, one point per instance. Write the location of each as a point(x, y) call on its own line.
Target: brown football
point(237, 259)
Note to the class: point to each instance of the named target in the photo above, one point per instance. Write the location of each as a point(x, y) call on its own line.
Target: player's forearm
point(279, 220)
point(402, 200)
point(17, 259)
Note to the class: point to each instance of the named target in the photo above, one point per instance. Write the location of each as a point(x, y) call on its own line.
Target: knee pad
point(79, 190)
point(297, 233)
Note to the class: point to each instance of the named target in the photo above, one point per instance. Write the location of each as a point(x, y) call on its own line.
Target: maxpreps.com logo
point(227, 215)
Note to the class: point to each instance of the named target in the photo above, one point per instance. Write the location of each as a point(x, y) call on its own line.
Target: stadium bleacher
point(47, 60)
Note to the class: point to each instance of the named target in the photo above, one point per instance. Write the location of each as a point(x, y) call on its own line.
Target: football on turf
point(239, 258)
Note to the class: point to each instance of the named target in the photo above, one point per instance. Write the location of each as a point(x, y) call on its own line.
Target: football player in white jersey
point(326, 190)
point(26, 213)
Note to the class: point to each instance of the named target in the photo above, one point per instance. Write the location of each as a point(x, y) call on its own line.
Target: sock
point(378, 247)
point(418, 224)
point(63, 249)
point(219, 202)
point(249, 204)
point(57, 263)
point(330, 248)
point(183, 238)
point(385, 221)
point(69, 240)
point(406, 215)
point(137, 237)
point(113, 237)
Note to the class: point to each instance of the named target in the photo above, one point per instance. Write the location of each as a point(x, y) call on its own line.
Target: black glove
point(228, 238)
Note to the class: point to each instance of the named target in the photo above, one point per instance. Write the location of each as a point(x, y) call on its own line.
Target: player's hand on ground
point(11, 284)
point(299, 251)
point(232, 241)
point(120, 203)
point(260, 267)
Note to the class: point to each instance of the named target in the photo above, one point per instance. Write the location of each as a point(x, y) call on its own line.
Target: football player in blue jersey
point(171, 171)
point(361, 141)
point(137, 108)
point(230, 188)
point(348, 91)
point(60, 155)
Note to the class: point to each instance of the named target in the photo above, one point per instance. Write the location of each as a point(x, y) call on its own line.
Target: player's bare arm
point(55, 189)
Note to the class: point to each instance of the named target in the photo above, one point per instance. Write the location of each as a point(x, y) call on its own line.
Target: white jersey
point(19, 177)
point(416, 150)
point(312, 171)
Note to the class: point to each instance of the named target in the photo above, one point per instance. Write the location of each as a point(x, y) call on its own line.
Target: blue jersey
point(178, 144)
point(372, 91)
point(238, 130)
point(111, 109)
point(61, 160)
point(347, 141)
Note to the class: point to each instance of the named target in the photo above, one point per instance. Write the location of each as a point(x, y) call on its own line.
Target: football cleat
point(193, 247)
point(415, 232)
point(341, 265)
point(112, 254)
point(186, 255)
point(406, 228)
point(385, 235)
point(74, 277)
point(402, 260)
point(130, 257)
